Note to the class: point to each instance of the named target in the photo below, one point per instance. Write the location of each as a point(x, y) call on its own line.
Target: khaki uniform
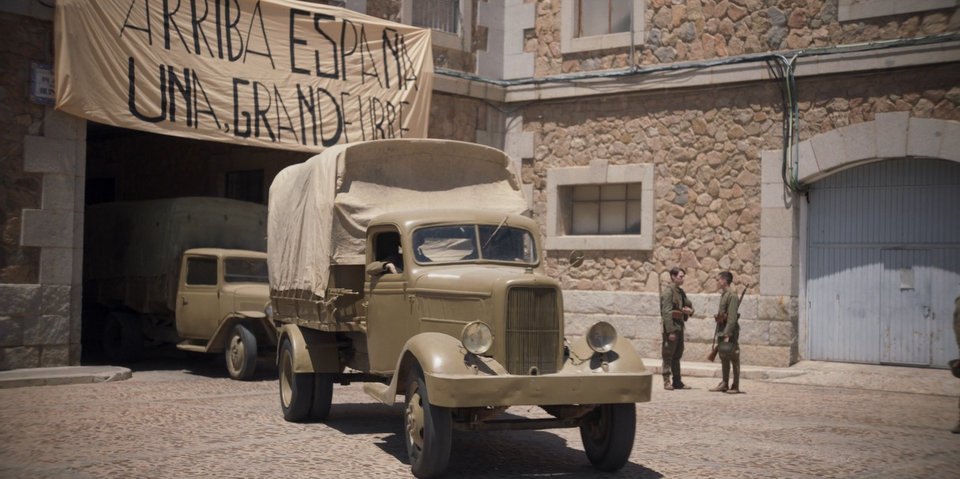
point(730, 351)
point(673, 299)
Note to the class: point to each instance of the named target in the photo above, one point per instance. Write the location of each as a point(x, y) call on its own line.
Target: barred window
point(442, 15)
point(602, 17)
point(607, 209)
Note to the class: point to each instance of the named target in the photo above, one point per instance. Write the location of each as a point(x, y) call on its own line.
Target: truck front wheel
point(123, 337)
point(428, 430)
point(607, 435)
point(241, 353)
point(296, 389)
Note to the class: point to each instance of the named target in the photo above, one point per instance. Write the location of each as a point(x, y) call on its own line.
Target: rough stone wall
point(26, 40)
point(705, 145)
point(686, 30)
point(385, 9)
point(456, 117)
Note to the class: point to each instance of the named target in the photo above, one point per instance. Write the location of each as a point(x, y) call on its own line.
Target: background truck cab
point(190, 271)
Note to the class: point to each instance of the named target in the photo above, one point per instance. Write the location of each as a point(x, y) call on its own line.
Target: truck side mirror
point(576, 258)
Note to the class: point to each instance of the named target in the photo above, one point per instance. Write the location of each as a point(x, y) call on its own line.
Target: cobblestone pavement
point(168, 422)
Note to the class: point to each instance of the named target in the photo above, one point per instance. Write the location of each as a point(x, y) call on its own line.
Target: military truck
point(407, 265)
point(189, 271)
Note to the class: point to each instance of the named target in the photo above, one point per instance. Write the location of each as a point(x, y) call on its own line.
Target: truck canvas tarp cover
point(132, 249)
point(319, 209)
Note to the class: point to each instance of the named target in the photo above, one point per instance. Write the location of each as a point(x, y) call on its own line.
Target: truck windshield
point(472, 243)
point(245, 270)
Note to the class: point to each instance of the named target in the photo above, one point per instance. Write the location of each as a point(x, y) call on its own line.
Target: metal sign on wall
point(272, 73)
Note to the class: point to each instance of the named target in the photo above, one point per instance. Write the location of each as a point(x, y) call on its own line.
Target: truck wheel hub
point(415, 422)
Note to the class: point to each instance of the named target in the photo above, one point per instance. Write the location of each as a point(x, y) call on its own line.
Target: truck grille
point(533, 331)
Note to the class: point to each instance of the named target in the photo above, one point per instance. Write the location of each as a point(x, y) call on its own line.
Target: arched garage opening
point(883, 263)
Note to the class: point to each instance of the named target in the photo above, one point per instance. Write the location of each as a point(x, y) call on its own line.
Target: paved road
point(172, 422)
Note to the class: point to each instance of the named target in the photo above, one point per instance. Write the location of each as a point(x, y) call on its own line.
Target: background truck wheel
point(123, 337)
point(241, 353)
point(428, 430)
point(296, 389)
point(322, 396)
point(607, 435)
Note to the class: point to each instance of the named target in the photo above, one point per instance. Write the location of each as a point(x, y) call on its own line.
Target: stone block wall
point(688, 30)
point(768, 326)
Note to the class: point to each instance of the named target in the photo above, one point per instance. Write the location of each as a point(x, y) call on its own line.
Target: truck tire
point(607, 435)
point(241, 353)
point(123, 337)
point(428, 430)
point(322, 396)
point(296, 389)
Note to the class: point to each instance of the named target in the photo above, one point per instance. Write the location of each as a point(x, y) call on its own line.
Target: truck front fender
point(622, 359)
point(313, 351)
point(435, 353)
point(255, 319)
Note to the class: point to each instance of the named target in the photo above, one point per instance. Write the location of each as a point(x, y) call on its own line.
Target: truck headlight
point(268, 311)
point(477, 337)
point(602, 337)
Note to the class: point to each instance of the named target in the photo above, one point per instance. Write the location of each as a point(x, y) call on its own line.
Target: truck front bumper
point(479, 390)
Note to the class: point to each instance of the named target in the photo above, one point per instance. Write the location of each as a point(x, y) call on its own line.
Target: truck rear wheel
point(428, 430)
point(322, 396)
point(607, 435)
point(123, 337)
point(296, 389)
point(241, 353)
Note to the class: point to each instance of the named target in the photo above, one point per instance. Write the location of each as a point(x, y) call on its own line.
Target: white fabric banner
point(272, 73)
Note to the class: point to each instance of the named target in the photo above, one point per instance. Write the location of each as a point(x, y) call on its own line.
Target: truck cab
point(222, 306)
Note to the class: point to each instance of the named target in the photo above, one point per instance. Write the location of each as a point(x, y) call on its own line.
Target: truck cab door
point(198, 305)
point(389, 309)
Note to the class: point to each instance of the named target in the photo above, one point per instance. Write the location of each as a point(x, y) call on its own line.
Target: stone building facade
point(696, 120)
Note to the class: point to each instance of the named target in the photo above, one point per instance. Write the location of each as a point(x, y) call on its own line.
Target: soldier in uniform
point(728, 335)
point(675, 309)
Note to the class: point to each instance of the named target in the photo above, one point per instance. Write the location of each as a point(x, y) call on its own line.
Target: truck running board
point(381, 392)
point(192, 346)
point(517, 424)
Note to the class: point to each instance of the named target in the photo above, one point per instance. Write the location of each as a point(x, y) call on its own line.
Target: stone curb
point(18, 378)
point(712, 370)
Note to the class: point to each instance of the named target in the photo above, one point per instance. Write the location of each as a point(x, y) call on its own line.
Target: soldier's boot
point(721, 388)
point(666, 383)
point(735, 388)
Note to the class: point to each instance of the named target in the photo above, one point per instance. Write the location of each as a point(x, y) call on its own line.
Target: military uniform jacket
point(730, 304)
point(673, 298)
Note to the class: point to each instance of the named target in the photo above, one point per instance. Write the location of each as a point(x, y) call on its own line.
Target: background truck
point(190, 271)
point(405, 264)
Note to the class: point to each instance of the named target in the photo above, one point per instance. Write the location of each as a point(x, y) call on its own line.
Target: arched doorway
point(883, 263)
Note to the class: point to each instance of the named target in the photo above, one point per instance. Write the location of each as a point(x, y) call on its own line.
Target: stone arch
point(890, 135)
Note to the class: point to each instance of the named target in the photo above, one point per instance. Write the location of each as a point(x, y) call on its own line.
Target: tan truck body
point(189, 271)
point(405, 316)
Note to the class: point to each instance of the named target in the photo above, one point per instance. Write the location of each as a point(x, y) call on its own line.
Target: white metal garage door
point(883, 263)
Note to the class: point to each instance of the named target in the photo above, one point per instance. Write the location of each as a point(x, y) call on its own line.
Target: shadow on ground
point(483, 453)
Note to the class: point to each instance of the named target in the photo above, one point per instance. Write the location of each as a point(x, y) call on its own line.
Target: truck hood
point(248, 296)
point(477, 278)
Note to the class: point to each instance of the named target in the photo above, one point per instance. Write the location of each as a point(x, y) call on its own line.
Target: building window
point(610, 209)
point(600, 207)
point(450, 20)
point(441, 15)
point(602, 17)
point(600, 24)
point(244, 185)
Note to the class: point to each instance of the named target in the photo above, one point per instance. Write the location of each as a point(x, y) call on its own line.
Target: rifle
point(721, 323)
